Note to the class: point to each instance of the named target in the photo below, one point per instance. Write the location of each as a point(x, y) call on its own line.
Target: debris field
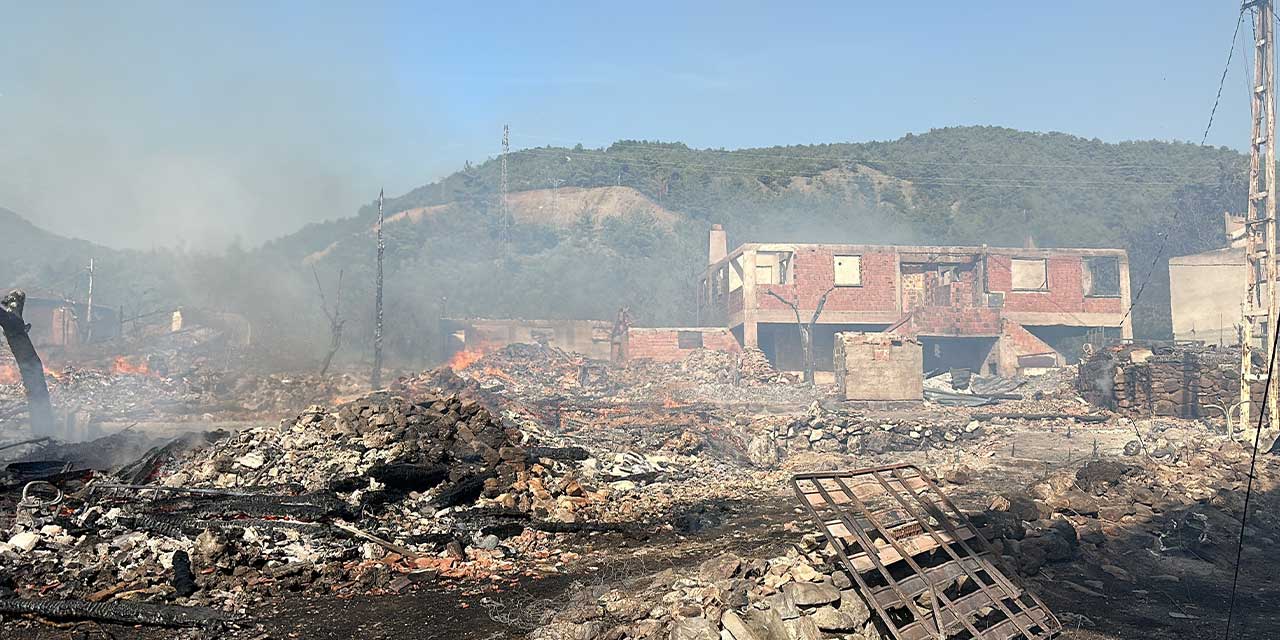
point(537, 493)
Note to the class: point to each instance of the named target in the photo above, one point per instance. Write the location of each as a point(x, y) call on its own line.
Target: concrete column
point(749, 298)
point(1126, 327)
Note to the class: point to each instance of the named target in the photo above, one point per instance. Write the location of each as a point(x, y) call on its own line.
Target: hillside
point(554, 208)
point(626, 225)
point(963, 185)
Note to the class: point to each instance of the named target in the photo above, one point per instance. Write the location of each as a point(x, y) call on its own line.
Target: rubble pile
point(314, 503)
point(102, 394)
point(848, 431)
point(531, 370)
point(799, 595)
point(221, 392)
point(369, 495)
point(1177, 491)
point(88, 396)
point(534, 372)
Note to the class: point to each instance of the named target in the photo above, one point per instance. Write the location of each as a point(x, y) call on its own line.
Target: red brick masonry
point(663, 344)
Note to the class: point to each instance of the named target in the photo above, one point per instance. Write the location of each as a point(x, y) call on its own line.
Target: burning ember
point(463, 359)
point(9, 374)
point(123, 365)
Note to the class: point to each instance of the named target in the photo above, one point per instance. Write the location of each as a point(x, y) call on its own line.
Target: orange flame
point(123, 365)
point(463, 359)
point(9, 374)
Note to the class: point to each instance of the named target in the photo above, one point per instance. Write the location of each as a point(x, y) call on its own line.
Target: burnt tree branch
point(806, 330)
point(17, 334)
point(336, 322)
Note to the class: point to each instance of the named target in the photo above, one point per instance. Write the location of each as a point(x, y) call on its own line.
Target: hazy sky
point(141, 124)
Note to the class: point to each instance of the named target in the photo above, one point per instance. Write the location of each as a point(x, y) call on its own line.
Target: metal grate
point(919, 562)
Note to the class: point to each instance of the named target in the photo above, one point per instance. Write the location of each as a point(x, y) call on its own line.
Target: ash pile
point(369, 496)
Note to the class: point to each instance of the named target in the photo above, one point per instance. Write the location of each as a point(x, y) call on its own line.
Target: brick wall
point(955, 320)
point(663, 344)
point(814, 269)
point(1065, 293)
point(1024, 342)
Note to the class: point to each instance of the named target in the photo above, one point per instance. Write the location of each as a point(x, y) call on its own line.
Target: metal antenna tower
point(1260, 307)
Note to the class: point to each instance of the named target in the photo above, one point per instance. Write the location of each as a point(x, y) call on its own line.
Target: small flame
point(9, 374)
point(463, 359)
point(123, 365)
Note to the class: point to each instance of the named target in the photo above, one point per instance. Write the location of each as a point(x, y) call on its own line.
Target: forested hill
point(967, 185)
point(590, 230)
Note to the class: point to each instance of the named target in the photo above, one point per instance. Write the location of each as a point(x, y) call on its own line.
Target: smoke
point(180, 125)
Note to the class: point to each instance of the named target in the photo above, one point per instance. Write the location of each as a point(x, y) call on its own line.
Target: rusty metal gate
point(919, 562)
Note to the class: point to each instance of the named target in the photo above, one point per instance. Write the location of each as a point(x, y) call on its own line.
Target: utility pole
point(88, 311)
point(1260, 317)
point(376, 380)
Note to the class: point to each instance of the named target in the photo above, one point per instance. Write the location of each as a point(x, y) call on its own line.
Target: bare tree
point(335, 320)
point(806, 329)
point(16, 332)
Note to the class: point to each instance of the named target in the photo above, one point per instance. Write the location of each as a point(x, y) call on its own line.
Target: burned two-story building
point(993, 310)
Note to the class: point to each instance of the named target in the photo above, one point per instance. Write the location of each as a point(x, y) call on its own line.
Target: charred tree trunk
point(29, 364)
point(806, 330)
point(375, 380)
point(336, 322)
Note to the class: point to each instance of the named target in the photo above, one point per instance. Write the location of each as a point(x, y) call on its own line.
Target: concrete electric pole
point(1260, 317)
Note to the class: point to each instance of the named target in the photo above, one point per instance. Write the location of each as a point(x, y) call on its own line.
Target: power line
point(1223, 80)
point(1164, 235)
point(1248, 490)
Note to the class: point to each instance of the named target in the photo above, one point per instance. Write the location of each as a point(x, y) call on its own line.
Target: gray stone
point(768, 621)
point(854, 607)
point(694, 629)
point(739, 629)
point(252, 460)
point(803, 628)
point(588, 630)
point(720, 567)
point(25, 541)
point(829, 619)
point(762, 451)
point(489, 542)
point(809, 594)
point(783, 605)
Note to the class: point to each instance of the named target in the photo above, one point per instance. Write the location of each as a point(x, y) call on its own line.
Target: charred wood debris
point(478, 481)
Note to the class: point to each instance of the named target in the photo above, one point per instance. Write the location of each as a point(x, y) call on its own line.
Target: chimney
point(718, 246)
point(1234, 226)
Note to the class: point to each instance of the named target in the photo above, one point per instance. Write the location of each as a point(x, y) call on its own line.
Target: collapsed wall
point(1183, 380)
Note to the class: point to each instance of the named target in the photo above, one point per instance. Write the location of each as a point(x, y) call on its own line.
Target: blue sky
point(144, 124)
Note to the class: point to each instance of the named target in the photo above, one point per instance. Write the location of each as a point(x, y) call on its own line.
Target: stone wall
point(1163, 379)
